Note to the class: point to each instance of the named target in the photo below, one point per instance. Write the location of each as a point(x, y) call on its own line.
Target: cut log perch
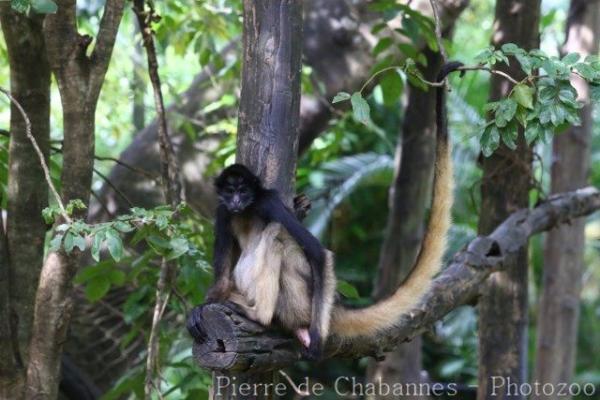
point(235, 343)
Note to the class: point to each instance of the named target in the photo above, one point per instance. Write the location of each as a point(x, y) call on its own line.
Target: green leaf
point(347, 290)
point(382, 45)
point(571, 58)
point(97, 244)
point(490, 140)
point(55, 243)
point(595, 92)
point(114, 244)
point(523, 94)
point(44, 6)
point(341, 96)
point(90, 272)
point(48, 214)
point(509, 135)
point(360, 108)
point(505, 112)
point(122, 226)
point(97, 288)
point(179, 246)
point(391, 87)
point(73, 205)
point(79, 242)
point(557, 114)
point(532, 132)
point(586, 71)
point(526, 63)
point(378, 27)
point(69, 242)
point(548, 94)
point(512, 49)
point(21, 6)
point(116, 277)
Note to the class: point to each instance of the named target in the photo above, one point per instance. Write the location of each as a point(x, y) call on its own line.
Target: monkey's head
point(237, 188)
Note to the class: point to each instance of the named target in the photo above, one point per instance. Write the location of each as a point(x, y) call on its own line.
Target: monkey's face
point(236, 194)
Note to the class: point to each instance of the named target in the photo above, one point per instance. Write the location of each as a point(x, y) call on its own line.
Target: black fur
point(441, 117)
point(267, 204)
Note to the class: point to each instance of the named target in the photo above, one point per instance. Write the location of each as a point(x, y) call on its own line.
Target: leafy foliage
point(337, 179)
point(539, 104)
point(36, 6)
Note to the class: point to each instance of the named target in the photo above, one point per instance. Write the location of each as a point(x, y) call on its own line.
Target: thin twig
point(438, 30)
point(40, 155)
point(172, 188)
point(127, 166)
point(113, 187)
point(491, 71)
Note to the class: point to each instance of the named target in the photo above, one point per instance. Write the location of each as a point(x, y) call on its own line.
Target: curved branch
point(232, 342)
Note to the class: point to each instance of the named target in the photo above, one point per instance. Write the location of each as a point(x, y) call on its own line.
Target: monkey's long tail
point(384, 314)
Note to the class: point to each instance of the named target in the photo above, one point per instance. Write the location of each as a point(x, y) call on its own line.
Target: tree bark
point(234, 343)
point(268, 123)
point(558, 313)
point(505, 187)
point(27, 190)
point(409, 196)
point(79, 79)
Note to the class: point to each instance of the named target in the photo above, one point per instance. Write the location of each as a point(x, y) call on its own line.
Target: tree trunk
point(268, 124)
point(27, 190)
point(505, 188)
point(79, 79)
point(558, 313)
point(409, 197)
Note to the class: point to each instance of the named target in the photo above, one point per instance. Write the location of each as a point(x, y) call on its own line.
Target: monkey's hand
point(302, 206)
point(219, 292)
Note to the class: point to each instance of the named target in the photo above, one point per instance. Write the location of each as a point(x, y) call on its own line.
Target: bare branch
point(438, 30)
point(40, 154)
point(172, 189)
point(232, 342)
point(105, 40)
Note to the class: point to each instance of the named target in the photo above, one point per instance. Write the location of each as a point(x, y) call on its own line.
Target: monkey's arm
point(272, 209)
point(222, 256)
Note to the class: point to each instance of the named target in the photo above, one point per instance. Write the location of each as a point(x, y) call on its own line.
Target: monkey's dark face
point(236, 194)
point(237, 188)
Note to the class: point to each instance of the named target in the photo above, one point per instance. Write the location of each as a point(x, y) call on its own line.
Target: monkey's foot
point(304, 337)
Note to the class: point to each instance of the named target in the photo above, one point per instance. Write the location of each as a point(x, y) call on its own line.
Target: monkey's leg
point(267, 272)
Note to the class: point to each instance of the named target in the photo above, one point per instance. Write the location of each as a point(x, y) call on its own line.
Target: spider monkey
point(282, 273)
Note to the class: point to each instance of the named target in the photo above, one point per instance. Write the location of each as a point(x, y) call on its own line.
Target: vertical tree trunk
point(409, 196)
point(505, 188)
point(563, 251)
point(269, 120)
point(80, 77)
point(27, 191)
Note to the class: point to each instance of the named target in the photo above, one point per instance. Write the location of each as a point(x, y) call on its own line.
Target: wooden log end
point(225, 340)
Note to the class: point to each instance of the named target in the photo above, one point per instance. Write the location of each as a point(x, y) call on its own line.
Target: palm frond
point(338, 179)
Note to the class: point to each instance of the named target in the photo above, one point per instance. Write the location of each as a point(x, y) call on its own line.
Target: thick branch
point(107, 34)
point(238, 344)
